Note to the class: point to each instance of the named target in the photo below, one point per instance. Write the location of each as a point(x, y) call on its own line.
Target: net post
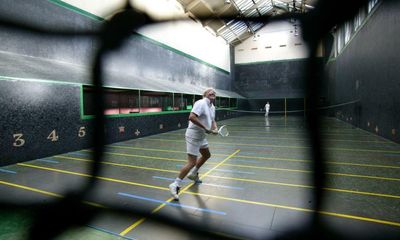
point(140, 102)
point(173, 101)
point(285, 109)
point(181, 103)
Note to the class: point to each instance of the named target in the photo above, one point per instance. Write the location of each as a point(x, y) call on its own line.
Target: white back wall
point(275, 41)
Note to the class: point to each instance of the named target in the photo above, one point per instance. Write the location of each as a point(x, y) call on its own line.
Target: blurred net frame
point(315, 24)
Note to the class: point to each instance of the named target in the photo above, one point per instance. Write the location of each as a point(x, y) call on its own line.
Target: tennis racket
point(223, 131)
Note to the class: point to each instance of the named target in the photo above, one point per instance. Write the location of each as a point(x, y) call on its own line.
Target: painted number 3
point(19, 141)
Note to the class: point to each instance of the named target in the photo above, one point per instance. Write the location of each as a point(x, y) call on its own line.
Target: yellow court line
point(215, 154)
point(90, 176)
point(117, 164)
point(297, 139)
point(140, 156)
point(32, 189)
point(144, 149)
point(280, 146)
point(264, 158)
point(137, 223)
point(269, 168)
point(285, 132)
point(227, 143)
point(242, 179)
point(363, 165)
point(46, 193)
point(397, 224)
point(363, 176)
point(329, 162)
point(306, 186)
point(308, 161)
point(305, 132)
point(226, 198)
point(261, 158)
point(294, 170)
point(157, 150)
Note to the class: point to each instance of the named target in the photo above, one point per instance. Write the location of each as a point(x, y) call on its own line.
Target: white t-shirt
point(206, 114)
point(267, 107)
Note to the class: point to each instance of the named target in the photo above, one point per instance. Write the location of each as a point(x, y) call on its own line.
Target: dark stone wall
point(368, 70)
point(275, 79)
point(40, 119)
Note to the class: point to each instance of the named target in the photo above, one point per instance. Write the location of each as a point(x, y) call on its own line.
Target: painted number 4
point(53, 136)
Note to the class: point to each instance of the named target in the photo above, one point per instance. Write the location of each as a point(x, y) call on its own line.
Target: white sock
point(178, 182)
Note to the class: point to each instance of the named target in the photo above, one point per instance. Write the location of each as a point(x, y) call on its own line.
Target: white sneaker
point(174, 189)
point(194, 177)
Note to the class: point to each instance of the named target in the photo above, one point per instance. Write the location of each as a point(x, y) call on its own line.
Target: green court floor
point(256, 185)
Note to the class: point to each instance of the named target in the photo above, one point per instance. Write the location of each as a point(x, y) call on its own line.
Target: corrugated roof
point(238, 30)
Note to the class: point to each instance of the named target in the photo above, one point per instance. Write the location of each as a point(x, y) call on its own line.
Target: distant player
point(201, 122)
point(267, 107)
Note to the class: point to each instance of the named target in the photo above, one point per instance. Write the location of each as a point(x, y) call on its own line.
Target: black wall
point(368, 70)
point(275, 79)
point(31, 110)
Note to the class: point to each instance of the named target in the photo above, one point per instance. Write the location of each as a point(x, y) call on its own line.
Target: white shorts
point(193, 146)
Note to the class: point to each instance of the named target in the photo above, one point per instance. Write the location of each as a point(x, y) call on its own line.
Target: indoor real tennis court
point(247, 120)
point(256, 184)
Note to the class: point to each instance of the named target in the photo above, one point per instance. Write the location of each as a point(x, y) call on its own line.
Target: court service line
point(252, 180)
point(397, 224)
point(307, 186)
point(260, 158)
point(91, 176)
point(61, 196)
point(144, 149)
point(47, 193)
point(170, 204)
point(295, 139)
point(140, 221)
point(300, 132)
point(264, 168)
point(279, 146)
point(253, 167)
point(203, 184)
point(284, 133)
point(288, 133)
point(118, 164)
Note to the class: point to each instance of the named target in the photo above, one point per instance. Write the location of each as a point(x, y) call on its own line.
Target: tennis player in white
point(267, 107)
point(201, 122)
